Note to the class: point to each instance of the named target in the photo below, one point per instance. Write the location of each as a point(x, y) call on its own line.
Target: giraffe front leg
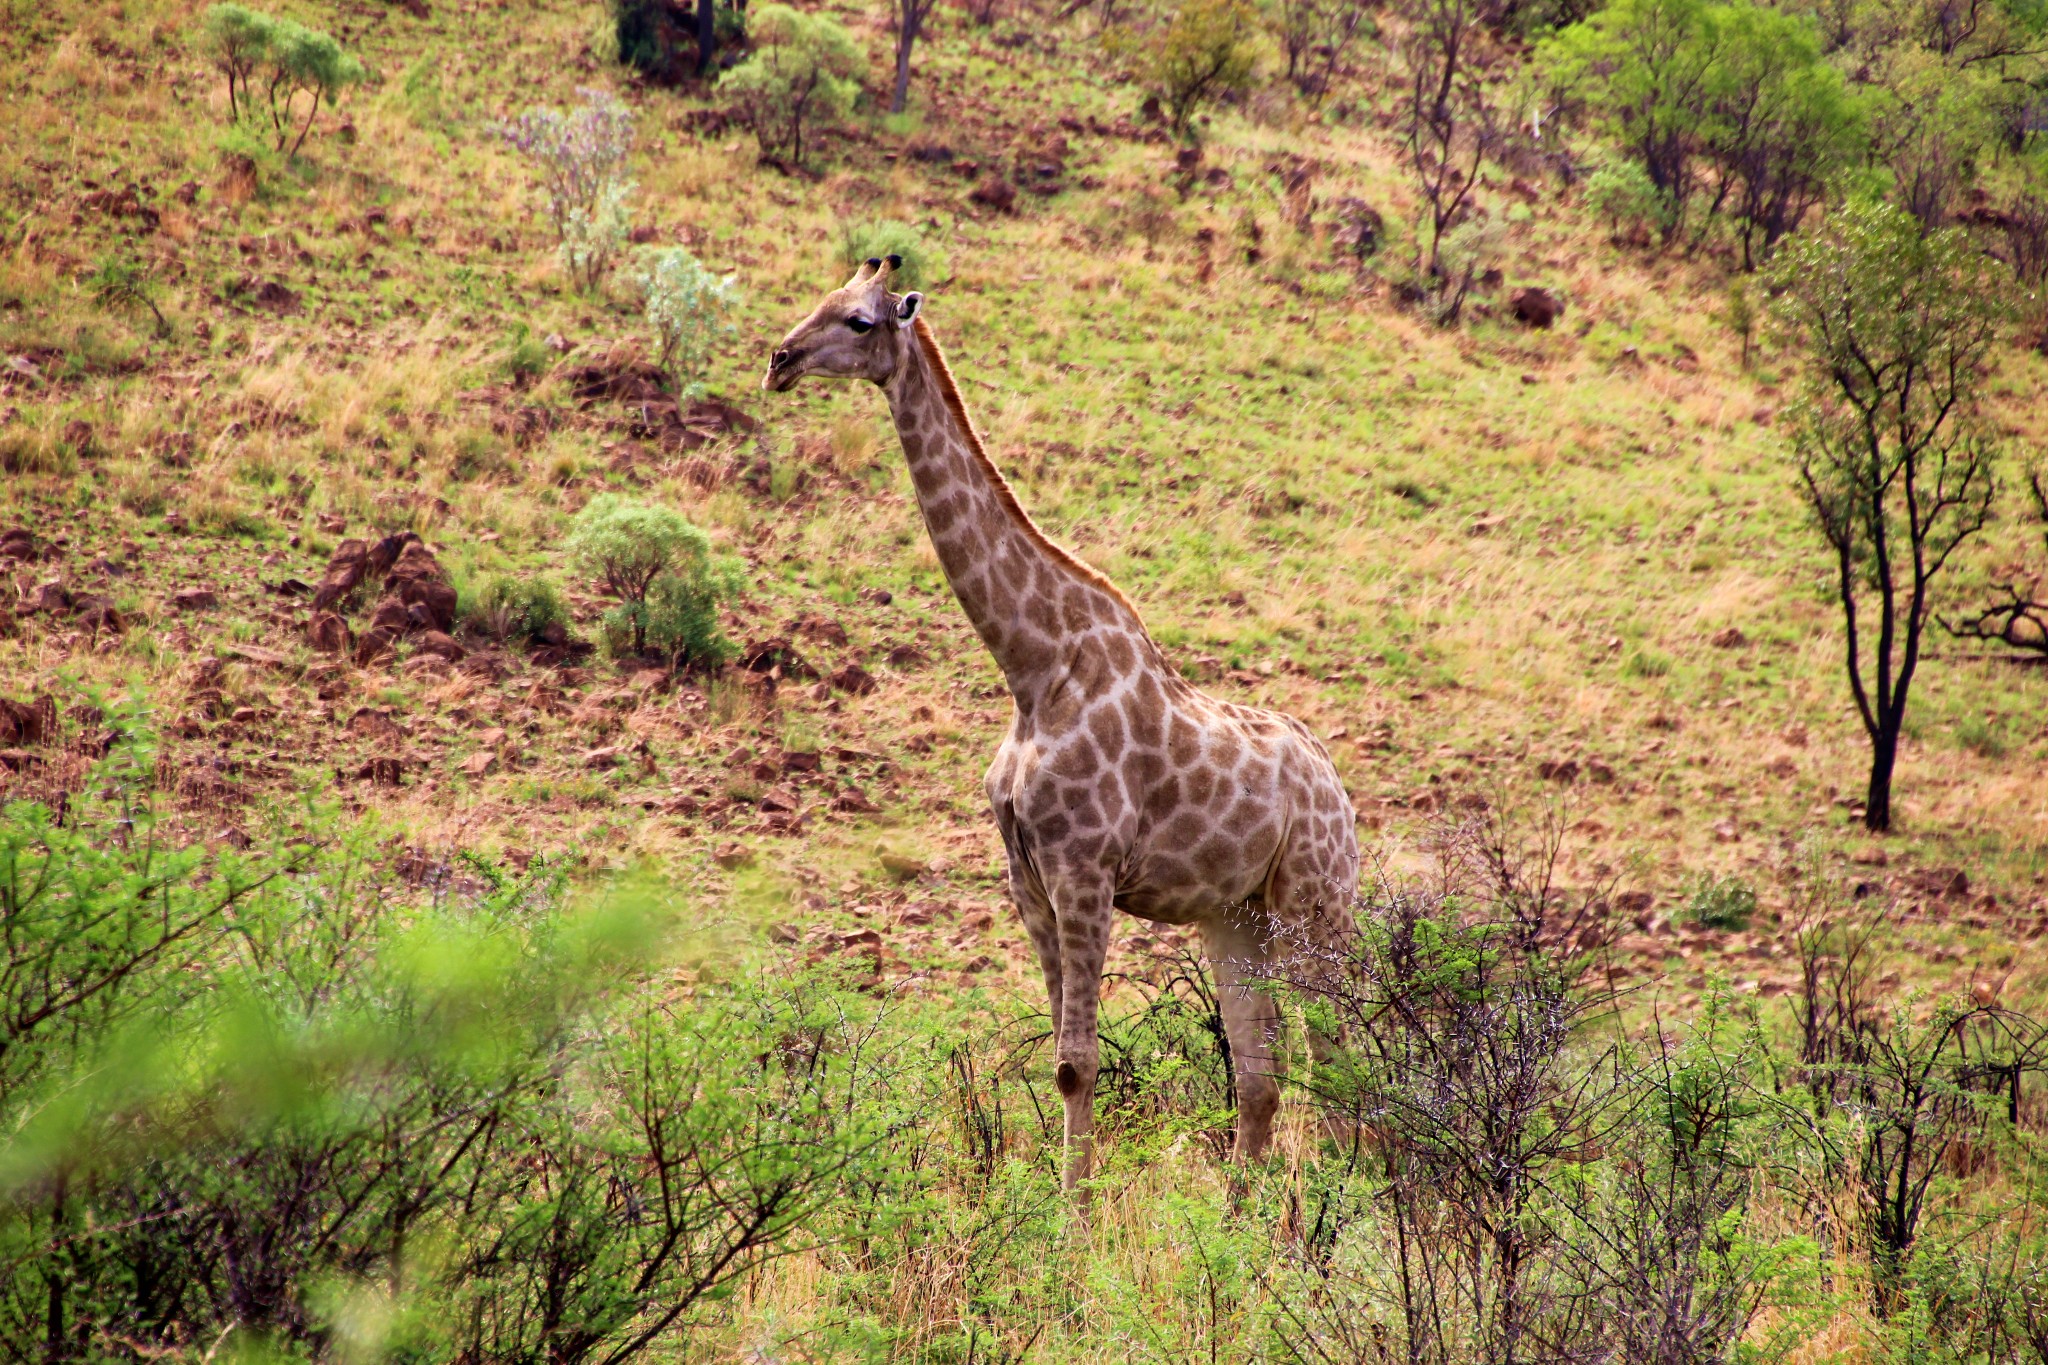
point(1040, 923)
point(1082, 910)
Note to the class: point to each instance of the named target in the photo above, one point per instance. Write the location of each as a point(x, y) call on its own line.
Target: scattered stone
point(1869, 856)
point(24, 722)
point(996, 193)
point(1538, 308)
point(1793, 736)
point(732, 855)
point(97, 614)
point(799, 761)
point(1784, 766)
point(1729, 638)
point(853, 801)
point(876, 597)
point(783, 933)
point(776, 658)
point(440, 645)
point(1561, 770)
point(194, 599)
point(382, 772)
point(479, 763)
point(52, 597)
point(1485, 524)
point(855, 679)
point(370, 723)
point(907, 656)
point(821, 628)
point(1599, 770)
point(901, 866)
point(1725, 832)
point(17, 543)
point(329, 633)
point(779, 800)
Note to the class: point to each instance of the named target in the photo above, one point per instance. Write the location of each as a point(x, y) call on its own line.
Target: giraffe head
point(860, 331)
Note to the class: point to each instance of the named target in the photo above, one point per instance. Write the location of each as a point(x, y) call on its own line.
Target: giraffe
point(1120, 786)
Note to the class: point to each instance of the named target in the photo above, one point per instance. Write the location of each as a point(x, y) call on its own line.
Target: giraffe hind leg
point(1239, 949)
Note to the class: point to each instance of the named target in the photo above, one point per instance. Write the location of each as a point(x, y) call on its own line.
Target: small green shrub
point(679, 618)
point(519, 608)
point(1622, 192)
point(581, 157)
point(924, 262)
point(689, 309)
point(1207, 50)
point(1645, 662)
point(526, 356)
point(1721, 903)
point(662, 570)
point(804, 75)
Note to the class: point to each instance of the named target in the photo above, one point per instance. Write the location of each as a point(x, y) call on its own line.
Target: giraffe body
point(1120, 785)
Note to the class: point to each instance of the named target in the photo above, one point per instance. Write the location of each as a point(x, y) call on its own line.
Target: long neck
point(1034, 605)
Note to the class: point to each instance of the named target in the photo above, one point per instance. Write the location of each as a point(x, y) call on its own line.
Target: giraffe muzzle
point(783, 370)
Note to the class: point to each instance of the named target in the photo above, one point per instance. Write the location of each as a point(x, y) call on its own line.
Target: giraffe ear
point(906, 308)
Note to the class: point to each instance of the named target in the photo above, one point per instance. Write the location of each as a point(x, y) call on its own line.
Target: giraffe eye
point(860, 325)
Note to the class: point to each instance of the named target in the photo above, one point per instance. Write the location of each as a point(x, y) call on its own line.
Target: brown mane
point(942, 373)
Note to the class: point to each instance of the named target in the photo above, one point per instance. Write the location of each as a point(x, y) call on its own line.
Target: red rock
point(194, 599)
point(440, 645)
point(23, 722)
point(384, 772)
point(1538, 308)
point(52, 597)
point(855, 679)
point(479, 763)
point(329, 633)
point(1730, 638)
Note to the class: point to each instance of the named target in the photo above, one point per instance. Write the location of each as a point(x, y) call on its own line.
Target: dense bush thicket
point(282, 1096)
point(284, 1099)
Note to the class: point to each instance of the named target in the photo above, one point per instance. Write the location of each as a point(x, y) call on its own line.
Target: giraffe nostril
point(779, 358)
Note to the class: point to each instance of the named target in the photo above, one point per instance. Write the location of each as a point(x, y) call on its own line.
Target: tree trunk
point(707, 36)
point(1884, 756)
point(906, 35)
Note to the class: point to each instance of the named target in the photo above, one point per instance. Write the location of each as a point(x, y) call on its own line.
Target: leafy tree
point(241, 39)
point(1734, 101)
point(1897, 328)
point(1204, 52)
point(804, 74)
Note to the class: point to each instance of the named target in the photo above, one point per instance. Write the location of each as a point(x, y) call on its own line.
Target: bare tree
point(1898, 328)
point(2020, 619)
point(1314, 36)
point(1452, 121)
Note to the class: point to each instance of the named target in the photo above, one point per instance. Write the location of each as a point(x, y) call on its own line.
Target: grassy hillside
point(1491, 565)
